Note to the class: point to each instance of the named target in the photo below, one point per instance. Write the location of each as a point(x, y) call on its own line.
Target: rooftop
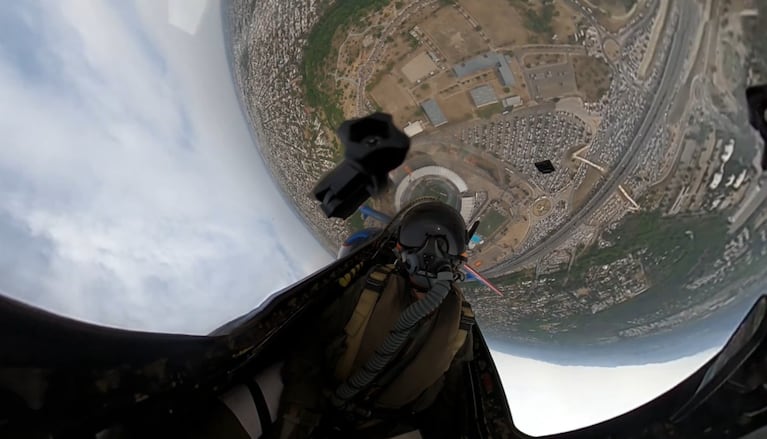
point(486, 61)
point(413, 128)
point(483, 95)
point(512, 101)
point(433, 112)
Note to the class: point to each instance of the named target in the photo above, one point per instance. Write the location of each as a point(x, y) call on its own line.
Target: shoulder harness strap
point(467, 321)
point(355, 327)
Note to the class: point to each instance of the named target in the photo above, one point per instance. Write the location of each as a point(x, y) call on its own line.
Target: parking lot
point(520, 141)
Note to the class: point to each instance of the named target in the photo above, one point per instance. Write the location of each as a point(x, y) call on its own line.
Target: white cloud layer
point(131, 193)
point(547, 398)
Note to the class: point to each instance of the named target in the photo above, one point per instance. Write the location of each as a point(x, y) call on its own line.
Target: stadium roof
point(483, 95)
point(433, 112)
point(486, 61)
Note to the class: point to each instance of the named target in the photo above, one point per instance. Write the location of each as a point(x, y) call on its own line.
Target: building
point(512, 101)
point(467, 207)
point(433, 112)
point(483, 95)
point(413, 128)
point(488, 60)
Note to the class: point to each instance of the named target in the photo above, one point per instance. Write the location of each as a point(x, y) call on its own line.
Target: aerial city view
point(654, 215)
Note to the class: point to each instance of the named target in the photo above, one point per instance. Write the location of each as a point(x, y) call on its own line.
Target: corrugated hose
point(394, 341)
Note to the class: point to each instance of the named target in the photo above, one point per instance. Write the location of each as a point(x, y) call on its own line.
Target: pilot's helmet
point(431, 235)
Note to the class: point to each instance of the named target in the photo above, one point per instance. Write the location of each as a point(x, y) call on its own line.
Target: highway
point(672, 72)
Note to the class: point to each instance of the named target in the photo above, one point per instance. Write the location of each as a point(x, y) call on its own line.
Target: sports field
point(437, 188)
point(490, 222)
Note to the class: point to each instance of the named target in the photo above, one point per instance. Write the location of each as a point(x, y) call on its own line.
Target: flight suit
point(311, 373)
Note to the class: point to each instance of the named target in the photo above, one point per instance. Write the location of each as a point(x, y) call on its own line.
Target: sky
point(546, 398)
point(132, 194)
point(556, 389)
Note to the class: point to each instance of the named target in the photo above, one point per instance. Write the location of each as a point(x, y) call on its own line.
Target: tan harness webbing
point(355, 327)
point(467, 321)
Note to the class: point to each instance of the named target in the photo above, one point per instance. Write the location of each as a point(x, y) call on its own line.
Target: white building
point(512, 101)
point(413, 128)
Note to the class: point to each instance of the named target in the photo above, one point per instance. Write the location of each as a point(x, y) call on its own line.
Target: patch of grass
point(412, 41)
point(592, 76)
point(490, 110)
point(356, 222)
point(540, 22)
point(699, 132)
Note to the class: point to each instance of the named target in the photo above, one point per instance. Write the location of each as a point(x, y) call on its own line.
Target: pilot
point(369, 368)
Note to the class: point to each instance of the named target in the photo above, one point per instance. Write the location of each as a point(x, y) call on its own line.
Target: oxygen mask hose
point(394, 341)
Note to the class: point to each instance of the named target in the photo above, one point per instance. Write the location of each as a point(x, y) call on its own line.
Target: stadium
point(421, 177)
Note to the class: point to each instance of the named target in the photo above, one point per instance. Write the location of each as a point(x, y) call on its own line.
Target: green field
point(671, 254)
point(319, 86)
point(438, 189)
point(490, 222)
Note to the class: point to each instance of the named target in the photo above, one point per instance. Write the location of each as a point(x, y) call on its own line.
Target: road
point(635, 23)
point(649, 13)
point(672, 71)
point(567, 49)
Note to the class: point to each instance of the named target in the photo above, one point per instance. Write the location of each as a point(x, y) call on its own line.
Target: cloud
point(130, 188)
point(547, 398)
